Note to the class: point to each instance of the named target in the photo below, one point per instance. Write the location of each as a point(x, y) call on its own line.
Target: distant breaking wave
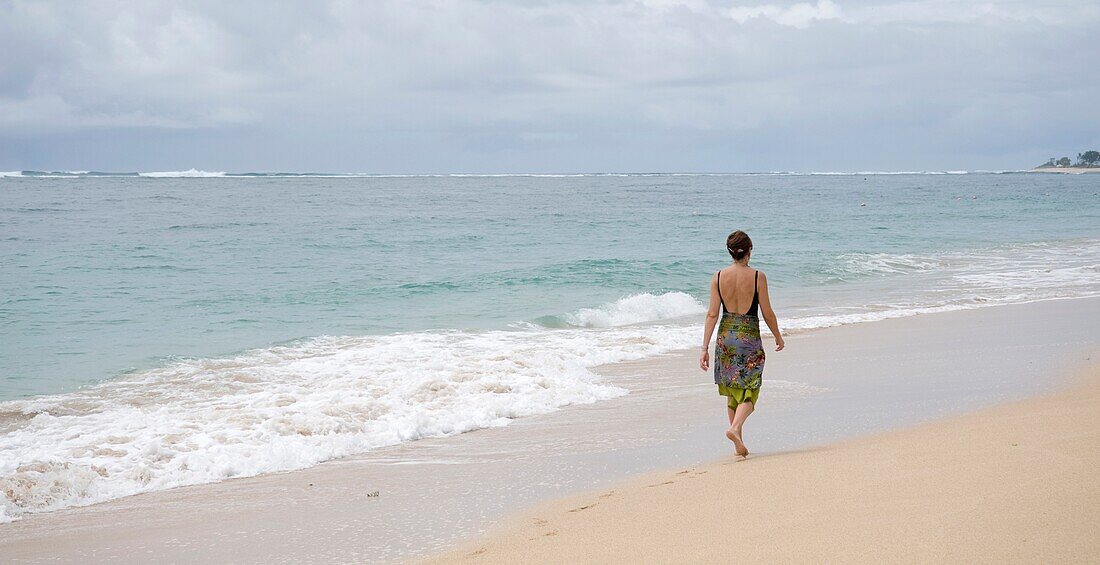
point(192, 173)
point(1071, 265)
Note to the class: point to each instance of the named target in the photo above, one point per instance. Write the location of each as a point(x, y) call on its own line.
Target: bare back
point(736, 287)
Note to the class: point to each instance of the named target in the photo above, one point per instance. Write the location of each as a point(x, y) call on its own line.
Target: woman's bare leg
point(730, 412)
point(734, 431)
point(742, 414)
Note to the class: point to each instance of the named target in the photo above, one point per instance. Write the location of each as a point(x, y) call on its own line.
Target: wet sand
point(425, 497)
point(1017, 483)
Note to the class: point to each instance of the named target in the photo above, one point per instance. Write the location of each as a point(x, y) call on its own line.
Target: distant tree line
point(1086, 159)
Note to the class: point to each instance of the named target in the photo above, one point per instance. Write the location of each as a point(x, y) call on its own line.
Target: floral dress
point(739, 353)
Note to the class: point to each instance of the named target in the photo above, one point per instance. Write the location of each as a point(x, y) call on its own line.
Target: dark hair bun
point(738, 244)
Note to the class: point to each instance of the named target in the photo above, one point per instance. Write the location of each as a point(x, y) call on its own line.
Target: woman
point(738, 353)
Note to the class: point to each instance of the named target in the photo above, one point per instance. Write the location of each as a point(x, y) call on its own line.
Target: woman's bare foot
point(739, 445)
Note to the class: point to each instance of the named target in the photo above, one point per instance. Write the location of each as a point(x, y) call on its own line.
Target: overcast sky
point(546, 86)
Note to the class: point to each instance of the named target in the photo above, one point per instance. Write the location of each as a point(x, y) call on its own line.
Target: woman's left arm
point(711, 321)
point(769, 314)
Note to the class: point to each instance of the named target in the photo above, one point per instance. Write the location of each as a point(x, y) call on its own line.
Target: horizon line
point(201, 173)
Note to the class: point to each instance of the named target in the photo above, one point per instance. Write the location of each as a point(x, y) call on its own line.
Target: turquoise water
point(105, 275)
point(187, 330)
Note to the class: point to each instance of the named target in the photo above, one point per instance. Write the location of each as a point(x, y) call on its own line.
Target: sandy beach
point(1012, 484)
point(837, 471)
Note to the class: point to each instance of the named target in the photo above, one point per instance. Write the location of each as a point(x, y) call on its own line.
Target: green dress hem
point(738, 395)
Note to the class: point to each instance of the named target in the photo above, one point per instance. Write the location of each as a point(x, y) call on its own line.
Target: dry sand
point(1014, 483)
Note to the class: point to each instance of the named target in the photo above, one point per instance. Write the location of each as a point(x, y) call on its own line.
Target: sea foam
point(289, 407)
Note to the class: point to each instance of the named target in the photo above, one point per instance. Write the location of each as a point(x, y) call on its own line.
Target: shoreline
point(436, 493)
point(1012, 483)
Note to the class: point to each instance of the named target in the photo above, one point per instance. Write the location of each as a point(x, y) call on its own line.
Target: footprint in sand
point(607, 494)
point(476, 552)
point(583, 507)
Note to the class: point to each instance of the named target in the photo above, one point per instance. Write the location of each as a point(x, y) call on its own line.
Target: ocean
point(164, 329)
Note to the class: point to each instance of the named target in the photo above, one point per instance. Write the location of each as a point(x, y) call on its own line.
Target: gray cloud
point(463, 85)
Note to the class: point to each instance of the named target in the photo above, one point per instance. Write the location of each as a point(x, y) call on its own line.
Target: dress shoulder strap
point(755, 294)
point(718, 283)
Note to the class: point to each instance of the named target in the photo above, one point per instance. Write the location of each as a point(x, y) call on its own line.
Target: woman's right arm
point(712, 320)
point(769, 314)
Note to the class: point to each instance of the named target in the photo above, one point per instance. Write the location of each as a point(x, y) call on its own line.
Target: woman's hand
point(704, 359)
point(779, 343)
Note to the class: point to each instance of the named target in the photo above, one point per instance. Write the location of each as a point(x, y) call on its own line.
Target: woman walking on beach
point(738, 351)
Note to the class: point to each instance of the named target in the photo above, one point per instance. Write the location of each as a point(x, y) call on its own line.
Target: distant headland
point(1087, 162)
